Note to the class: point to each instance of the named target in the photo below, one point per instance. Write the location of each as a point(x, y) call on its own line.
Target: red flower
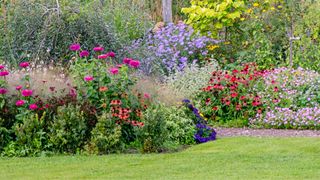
point(215, 108)
point(127, 60)
point(227, 102)
point(134, 63)
point(4, 73)
point(235, 71)
point(103, 56)
point(238, 107)
point(98, 49)
point(242, 98)
point(275, 89)
point(111, 54)
point(33, 107)
point(24, 64)
point(234, 94)
point(26, 92)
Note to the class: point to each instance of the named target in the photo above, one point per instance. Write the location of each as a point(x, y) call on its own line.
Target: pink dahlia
point(98, 49)
point(84, 53)
point(134, 63)
point(26, 92)
point(126, 60)
point(74, 47)
point(111, 54)
point(20, 103)
point(88, 78)
point(103, 56)
point(1, 66)
point(33, 107)
point(24, 64)
point(4, 73)
point(3, 90)
point(114, 71)
point(18, 87)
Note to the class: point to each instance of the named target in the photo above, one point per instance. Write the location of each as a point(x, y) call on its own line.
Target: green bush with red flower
point(230, 95)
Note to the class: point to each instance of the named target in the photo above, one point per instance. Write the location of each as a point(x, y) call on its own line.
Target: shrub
point(67, 132)
point(106, 136)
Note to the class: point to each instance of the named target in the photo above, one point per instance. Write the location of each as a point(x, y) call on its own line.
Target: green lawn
point(227, 158)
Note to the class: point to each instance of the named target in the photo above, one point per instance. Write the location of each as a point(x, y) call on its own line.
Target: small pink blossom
point(24, 64)
point(73, 92)
point(18, 87)
point(20, 103)
point(88, 78)
point(98, 49)
point(114, 71)
point(3, 91)
point(126, 60)
point(84, 53)
point(1, 66)
point(103, 56)
point(26, 92)
point(111, 54)
point(33, 107)
point(4, 73)
point(75, 47)
point(146, 95)
point(134, 63)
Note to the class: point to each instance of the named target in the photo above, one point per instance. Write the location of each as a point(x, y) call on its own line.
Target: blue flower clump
point(204, 132)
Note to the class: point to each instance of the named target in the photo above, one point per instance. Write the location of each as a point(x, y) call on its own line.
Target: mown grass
point(227, 158)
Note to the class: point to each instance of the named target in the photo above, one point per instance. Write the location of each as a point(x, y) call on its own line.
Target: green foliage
point(163, 126)
point(30, 137)
point(67, 132)
point(212, 16)
point(106, 136)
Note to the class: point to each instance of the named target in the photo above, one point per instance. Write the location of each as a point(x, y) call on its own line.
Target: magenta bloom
point(1, 66)
point(84, 53)
point(24, 64)
point(33, 107)
point(146, 95)
point(26, 92)
point(4, 73)
point(103, 56)
point(98, 49)
point(111, 54)
point(126, 60)
point(18, 87)
point(88, 78)
point(134, 63)
point(3, 90)
point(20, 103)
point(114, 71)
point(74, 47)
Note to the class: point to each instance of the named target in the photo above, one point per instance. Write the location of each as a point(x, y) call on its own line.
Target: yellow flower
point(249, 11)
point(279, 6)
point(212, 47)
point(264, 10)
point(272, 8)
point(242, 19)
point(256, 4)
point(227, 42)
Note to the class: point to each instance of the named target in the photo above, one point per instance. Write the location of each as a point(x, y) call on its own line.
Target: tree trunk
point(167, 11)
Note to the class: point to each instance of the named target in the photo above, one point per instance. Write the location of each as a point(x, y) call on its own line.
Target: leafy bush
point(68, 130)
point(165, 125)
point(106, 136)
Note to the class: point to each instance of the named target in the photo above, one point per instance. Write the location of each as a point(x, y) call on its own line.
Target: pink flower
point(20, 103)
point(73, 92)
point(84, 53)
point(103, 56)
point(146, 95)
point(88, 78)
point(33, 107)
point(134, 63)
point(111, 54)
point(24, 64)
point(126, 60)
point(98, 49)
point(114, 71)
point(26, 92)
point(74, 47)
point(1, 66)
point(18, 87)
point(4, 73)
point(3, 90)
